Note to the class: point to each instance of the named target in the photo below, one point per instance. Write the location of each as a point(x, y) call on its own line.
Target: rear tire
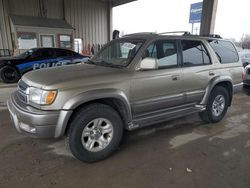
point(9, 74)
point(94, 133)
point(217, 105)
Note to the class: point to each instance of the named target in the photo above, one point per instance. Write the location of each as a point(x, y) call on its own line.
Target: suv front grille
point(22, 88)
point(22, 85)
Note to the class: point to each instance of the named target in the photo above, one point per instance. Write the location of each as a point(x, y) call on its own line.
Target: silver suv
point(135, 81)
point(246, 64)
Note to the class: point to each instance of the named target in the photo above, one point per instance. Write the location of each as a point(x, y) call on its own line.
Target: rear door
point(197, 69)
point(229, 62)
point(78, 58)
point(64, 57)
point(159, 89)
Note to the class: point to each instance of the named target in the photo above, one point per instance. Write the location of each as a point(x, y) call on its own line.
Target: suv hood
point(73, 76)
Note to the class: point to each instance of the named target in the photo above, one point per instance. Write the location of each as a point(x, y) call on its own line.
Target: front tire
point(9, 74)
point(217, 105)
point(95, 133)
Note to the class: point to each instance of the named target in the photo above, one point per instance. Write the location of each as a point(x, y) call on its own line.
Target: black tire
point(9, 74)
point(208, 115)
point(81, 119)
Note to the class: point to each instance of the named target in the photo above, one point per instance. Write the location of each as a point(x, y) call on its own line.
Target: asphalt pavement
point(5, 92)
point(181, 153)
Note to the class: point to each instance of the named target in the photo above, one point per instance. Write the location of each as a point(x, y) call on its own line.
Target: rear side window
point(225, 51)
point(194, 53)
point(63, 53)
point(76, 55)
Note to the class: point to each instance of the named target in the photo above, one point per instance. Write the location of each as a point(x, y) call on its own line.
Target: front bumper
point(37, 123)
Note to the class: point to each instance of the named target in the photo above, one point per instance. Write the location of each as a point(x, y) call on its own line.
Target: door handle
point(211, 73)
point(175, 77)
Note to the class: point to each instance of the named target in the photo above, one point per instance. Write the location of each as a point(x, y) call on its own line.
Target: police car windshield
point(26, 53)
point(118, 53)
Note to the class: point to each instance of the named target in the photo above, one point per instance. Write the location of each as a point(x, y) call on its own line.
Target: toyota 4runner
point(135, 81)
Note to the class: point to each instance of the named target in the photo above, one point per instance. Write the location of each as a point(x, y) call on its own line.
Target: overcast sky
point(232, 20)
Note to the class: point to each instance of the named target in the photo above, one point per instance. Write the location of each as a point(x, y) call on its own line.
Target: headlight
point(42, 97)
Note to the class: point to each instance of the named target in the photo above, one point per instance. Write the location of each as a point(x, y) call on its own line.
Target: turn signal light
point(50, 97)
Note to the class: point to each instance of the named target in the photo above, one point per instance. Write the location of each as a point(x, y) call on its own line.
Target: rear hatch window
point(225, 51)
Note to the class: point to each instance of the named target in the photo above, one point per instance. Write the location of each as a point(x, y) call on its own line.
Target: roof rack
point(176, 32)
point(182, 33)
point(141, 33)
point(212, 36)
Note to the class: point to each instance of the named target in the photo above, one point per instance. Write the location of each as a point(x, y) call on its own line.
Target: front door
point(37, 59)
point(158, 89)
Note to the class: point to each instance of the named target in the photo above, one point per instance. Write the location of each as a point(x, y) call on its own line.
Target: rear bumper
point(37, 123)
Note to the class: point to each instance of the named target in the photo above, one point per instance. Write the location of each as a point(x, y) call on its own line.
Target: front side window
point(151, 51)
point(165, 51)
point(169, 55)
point(225, 51)
point(42, 54)
point(26, 54)
point(194, 53)
point(118, 53)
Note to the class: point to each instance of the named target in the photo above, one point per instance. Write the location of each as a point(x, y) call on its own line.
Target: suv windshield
point(118, 53)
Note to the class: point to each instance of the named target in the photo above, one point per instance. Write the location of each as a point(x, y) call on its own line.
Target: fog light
point(27, 128)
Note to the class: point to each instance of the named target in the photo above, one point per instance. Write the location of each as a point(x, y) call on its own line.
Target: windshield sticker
point(128, 45)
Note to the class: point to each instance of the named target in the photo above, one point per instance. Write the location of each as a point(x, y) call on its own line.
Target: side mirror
point(148, 63)
point(28, 54)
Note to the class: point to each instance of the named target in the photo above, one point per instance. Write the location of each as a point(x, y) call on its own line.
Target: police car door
point(42, 58)
point(63, 57)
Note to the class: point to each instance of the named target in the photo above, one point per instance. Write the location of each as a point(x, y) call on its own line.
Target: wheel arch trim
point(215, 81)
point(89, 96)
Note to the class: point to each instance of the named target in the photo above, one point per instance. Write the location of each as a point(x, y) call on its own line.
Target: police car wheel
point(9, 74)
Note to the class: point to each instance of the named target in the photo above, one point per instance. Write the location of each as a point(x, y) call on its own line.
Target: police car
point(12, 68)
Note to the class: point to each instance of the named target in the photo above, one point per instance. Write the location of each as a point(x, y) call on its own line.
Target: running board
point(161, 116)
